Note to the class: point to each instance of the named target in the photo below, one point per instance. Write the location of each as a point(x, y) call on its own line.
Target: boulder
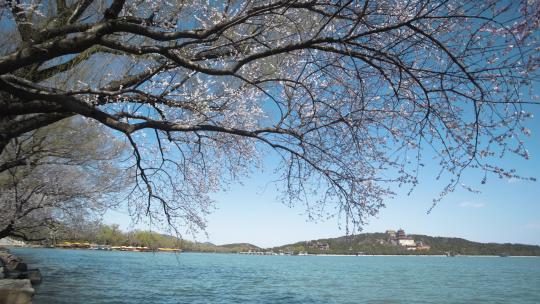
point(12, 262)
point(34, 275)
point(16, 291)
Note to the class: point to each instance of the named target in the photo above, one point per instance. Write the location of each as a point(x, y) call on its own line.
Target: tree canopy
point(61, 173)
point(351, 95)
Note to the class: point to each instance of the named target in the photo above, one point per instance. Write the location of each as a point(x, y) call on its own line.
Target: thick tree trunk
point(11, 128)
point(4, 137)
point(6, 231)
point(3, 144)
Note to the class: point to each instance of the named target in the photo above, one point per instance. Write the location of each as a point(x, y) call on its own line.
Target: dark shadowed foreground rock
point(12, 262)
point(34, 275)
point(16, 291)
point(16, 279)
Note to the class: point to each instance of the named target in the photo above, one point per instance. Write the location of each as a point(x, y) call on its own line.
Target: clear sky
point(504, 211)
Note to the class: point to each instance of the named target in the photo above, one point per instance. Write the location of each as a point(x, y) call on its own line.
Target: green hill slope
point(243, 246)
point(377, 243)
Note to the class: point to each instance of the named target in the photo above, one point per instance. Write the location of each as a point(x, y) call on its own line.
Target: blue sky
point(504, 210)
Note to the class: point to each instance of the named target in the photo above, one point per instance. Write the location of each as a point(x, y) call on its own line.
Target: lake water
point(83, 276)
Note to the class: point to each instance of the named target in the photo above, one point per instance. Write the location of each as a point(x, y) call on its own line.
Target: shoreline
point(320, 255)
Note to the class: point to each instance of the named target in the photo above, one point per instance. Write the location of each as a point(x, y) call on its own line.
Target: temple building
point(400, 238)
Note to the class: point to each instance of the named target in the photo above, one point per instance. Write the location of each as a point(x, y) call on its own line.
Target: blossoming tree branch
point(351, 96)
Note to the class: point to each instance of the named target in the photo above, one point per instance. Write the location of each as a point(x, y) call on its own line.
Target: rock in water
point(34, 275)
point(12, 262)
point(16, 291)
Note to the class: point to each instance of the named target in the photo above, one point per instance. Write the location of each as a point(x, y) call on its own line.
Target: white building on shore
point(407, 242)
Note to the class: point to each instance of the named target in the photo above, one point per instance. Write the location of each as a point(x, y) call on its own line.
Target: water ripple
point(92, 277)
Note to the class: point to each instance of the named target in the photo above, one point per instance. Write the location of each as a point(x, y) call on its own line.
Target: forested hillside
point(377, 243)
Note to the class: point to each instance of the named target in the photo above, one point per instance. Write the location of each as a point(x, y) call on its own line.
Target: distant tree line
point(103, 234)
point(367, 243)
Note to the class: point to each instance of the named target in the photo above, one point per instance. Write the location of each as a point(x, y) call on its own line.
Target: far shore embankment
point(178, 251)
point(318, 255)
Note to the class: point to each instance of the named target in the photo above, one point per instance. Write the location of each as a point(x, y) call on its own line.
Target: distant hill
point(462, 246)
point(377, 243)
point(210, 247)
point(365, 243)
point(241, 245)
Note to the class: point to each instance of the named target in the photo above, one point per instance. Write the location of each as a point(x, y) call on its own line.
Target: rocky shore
point(16, 279)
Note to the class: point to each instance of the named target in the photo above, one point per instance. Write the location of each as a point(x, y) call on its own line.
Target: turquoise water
point(82, 276)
